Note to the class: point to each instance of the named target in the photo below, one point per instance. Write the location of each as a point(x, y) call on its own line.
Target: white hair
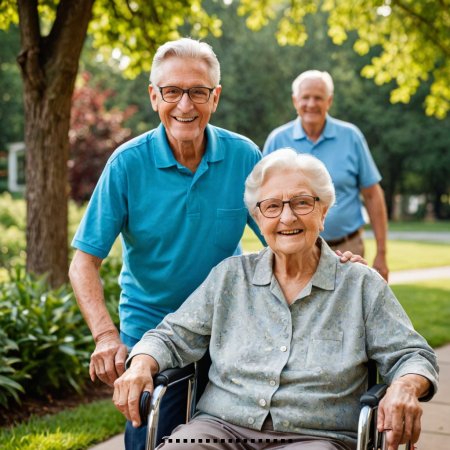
point(314, 75)
point(185, 48)
point(310, 170)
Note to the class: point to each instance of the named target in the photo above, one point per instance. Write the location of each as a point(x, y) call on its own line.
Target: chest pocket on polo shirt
point(325, 348)
point(230, 224)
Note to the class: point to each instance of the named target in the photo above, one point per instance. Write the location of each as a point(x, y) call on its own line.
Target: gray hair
point(185, 48)
point(314, 75)
point(309, 168)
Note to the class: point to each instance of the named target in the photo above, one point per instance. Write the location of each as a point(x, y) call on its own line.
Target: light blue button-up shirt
point(305, 362)
point(344, 151)
point(175, 226)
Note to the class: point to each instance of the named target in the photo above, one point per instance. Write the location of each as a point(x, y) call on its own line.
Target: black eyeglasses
point(197, 94)
point(300, 205)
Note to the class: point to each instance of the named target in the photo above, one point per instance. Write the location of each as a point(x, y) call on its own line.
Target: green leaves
point(45, 344)
point(139, 27)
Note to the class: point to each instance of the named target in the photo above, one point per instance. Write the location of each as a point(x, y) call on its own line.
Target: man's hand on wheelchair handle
point(399, 411)
point(129, 387)
point(349, 256)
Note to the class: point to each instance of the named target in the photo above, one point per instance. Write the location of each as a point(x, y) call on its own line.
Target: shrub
point(51, 341)
point(13, 226)
point(45, 343)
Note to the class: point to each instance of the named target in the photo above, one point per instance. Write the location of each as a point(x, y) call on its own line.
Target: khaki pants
point(354, 245)
point(209, 434)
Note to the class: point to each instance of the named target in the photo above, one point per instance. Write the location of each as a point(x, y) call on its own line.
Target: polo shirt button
point(251, 420)
point(285, 423)
point(283, 349)
point(262, 402)
point(272, 383)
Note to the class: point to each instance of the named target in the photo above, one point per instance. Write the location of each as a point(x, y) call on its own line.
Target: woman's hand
point(349, 256)
point(399, 412)
point(129, 387)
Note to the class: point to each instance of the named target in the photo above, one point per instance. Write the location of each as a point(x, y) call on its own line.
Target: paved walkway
point(435, 420)
point(435, 236)
point(412, 276)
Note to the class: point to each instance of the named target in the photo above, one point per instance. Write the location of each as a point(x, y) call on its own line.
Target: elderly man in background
point(342, 148)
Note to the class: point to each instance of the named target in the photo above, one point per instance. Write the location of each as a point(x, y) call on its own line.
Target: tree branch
point(29, 58)
point(67, 35)
point(429, 26)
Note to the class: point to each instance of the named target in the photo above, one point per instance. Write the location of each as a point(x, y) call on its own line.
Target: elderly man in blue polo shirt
point(176, 197)
point(342, 148)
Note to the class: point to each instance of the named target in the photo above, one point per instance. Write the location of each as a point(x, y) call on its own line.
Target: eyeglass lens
point(173, 94)
point(302, 204)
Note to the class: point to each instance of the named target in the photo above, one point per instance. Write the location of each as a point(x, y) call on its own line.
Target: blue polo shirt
point(344, 151)
point(175, 226)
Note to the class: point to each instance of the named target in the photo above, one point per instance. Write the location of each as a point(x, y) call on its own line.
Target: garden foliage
point(45, 343)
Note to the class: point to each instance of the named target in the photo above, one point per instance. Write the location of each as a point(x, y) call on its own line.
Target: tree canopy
point(412, 35)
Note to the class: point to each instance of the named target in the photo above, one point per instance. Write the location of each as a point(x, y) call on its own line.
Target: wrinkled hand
point(128, 388)
point(399, 412)
point(380, 265)
point(349, 256)
point(108, 359)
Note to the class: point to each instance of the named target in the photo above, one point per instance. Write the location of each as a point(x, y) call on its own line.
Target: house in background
point(12, 168)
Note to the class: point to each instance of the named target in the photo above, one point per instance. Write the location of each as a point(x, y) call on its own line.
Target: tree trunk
point(391, 186)
point(49, 67)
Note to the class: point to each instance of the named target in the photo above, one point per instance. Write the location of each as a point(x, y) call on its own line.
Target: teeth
point(290, 232)
point(185, 119)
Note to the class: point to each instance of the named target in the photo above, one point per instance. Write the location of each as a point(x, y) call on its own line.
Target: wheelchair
point(368, 436)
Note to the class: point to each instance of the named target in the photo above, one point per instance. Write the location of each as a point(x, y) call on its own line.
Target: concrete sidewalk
point(431, 236)
point(435, 420)
point(417, 275)
point(436, 414)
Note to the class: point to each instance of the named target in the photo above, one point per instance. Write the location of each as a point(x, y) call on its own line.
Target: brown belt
point(334, 242)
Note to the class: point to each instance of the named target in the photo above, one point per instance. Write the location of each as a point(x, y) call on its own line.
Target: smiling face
point(312, 102)
point(289, 234)
point(185, 121)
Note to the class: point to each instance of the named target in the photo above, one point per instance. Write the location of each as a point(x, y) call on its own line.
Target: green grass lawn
point(428, 306)
point(76, 429)
point(406, 255)
point(402, 255)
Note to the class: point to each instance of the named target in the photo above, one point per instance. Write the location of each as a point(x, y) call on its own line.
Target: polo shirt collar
point(323, 278)
point(214, 149)
point(163, 154)
point(328, 132)
point(298, 132)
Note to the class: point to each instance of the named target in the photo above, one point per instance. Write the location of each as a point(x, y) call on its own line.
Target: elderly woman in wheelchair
point(289, 330)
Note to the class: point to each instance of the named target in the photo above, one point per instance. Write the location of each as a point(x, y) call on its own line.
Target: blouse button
point(283, 349)
point(262, 402)
point(285, 423)
point(251, 420)
point(272, 383)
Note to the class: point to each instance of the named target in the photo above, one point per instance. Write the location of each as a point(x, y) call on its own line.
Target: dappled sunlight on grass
point(406, 255)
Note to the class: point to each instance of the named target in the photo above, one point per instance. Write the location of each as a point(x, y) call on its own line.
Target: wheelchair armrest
point(374, 395)
point(171, 376)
